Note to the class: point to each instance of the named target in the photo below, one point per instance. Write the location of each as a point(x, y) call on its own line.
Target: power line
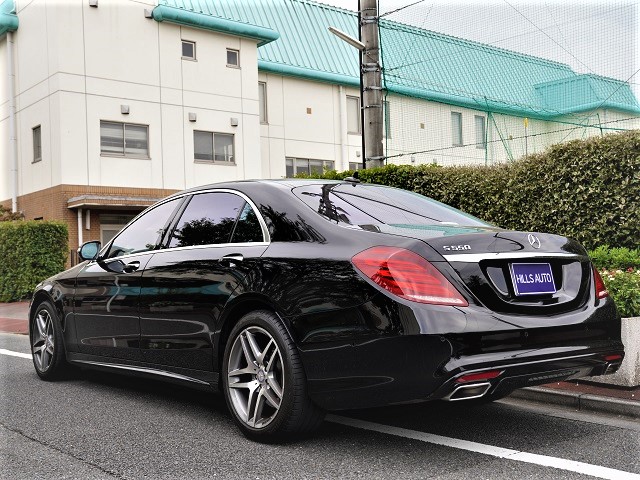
point(533, 135)
point(401, 8)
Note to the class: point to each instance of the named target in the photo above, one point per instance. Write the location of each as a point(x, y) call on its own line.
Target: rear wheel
point(47, 346)
point(265, 385)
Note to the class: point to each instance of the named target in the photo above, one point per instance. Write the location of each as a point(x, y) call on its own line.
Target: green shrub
point(624, 288)
point(30, 252)
point(585, 189)
point(615, 258)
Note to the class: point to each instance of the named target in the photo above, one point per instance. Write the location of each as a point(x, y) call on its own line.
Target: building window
point(37, 144)
point(262, 100)
point(456, 128)
point(481, 135)
point(213, 147)
point(188, 50)
point(124, 139)
point(353, 115)
point(355, 166)
point(386, 118)
point(233, 58)
point(307, 165)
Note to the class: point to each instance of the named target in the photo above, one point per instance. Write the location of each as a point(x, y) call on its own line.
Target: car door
point(108, 288)
point(214, 244)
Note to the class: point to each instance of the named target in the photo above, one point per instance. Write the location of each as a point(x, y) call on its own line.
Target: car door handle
point(232, 259)
point(131, 267)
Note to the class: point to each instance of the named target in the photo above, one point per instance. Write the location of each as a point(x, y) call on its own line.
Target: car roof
point(287, 183)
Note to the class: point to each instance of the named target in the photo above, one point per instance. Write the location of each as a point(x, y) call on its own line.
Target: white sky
point(591, 36)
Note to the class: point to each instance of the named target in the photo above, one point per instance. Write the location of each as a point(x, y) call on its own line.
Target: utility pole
point(371, 85)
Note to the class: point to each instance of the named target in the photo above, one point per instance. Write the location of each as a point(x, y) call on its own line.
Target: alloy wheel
point(255, 377)
point(43, 340)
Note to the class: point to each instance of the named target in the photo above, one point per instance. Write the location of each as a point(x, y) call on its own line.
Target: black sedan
point(294, 297)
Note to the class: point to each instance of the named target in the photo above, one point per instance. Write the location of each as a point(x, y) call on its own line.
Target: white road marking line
point(14, 354)
point(507, 453)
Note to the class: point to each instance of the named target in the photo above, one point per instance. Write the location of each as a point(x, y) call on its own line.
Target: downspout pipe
point(344, 139)
point(13, 141)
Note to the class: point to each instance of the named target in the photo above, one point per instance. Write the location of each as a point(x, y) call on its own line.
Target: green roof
point(8, 18)
point(202, 15)
point(435, 67)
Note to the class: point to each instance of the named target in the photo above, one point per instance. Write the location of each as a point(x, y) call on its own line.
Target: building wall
point(76, 65)
point(419, 131)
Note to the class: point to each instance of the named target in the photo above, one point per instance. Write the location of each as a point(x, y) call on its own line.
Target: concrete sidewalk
point(579, 395)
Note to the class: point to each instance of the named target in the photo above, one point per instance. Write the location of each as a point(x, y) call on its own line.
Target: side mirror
point(89, 250)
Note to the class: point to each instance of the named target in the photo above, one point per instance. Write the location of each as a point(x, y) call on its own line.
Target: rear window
point(375, 204)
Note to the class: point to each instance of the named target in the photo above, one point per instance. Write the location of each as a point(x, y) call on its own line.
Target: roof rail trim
point(165, 13)
point(8, 18)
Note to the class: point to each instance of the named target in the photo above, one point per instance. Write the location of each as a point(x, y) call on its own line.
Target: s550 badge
point(456, 248)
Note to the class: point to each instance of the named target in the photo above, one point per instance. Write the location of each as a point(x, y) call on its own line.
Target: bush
point(30, 251)
point(624, 288)
point(605, 257)
point(585, 189)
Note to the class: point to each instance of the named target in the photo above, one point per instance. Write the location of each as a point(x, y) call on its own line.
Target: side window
point(248, 227)
point(144, 233)
point(208, 219)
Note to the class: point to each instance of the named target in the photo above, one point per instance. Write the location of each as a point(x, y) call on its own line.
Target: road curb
point(579, 401)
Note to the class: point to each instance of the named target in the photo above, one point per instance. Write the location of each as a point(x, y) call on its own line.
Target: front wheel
point(265, 385)
point(47, 345)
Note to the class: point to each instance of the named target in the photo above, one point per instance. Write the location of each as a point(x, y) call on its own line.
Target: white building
point(119, 103)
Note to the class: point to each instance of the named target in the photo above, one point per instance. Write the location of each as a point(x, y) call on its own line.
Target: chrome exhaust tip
point(468, 392)
point(611, 367)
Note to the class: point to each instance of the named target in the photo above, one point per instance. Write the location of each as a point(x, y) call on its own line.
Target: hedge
point(30, 252)
point(584, 189)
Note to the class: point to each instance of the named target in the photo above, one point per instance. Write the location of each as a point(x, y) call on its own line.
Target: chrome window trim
point(212, 245)
point(476, 257)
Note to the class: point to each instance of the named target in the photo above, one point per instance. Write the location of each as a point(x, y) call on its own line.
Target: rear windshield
point(376, 204)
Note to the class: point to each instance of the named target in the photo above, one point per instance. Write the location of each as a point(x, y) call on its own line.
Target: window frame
point(146, 156)
point(237, 52)
point(482, 142)
point(308, 160)
point(262, 100)
point(358, 115)
point(177, 215)
point(386, 119)
point(37, 131)
point(193, 44)
point(213, 152)
point(457, 140)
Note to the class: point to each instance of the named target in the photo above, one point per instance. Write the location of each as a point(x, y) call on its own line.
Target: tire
point(264, 381)
point(47, 343)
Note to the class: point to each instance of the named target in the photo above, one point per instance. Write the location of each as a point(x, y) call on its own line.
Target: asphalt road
point(96, 425)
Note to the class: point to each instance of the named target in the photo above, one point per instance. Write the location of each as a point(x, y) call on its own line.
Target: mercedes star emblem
point(533, 240)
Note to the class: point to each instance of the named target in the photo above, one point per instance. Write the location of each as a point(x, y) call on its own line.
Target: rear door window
point(215, 218)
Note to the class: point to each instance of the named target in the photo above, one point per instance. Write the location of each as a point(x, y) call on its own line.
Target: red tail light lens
point(612, 358)
point(601, 290)
point(476, 377)
point(407, 275)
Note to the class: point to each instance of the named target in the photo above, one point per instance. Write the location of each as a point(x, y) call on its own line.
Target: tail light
point(601, 290)
point(476, 377)
point(407, 275)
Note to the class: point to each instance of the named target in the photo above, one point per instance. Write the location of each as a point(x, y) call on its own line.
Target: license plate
point(532, 278)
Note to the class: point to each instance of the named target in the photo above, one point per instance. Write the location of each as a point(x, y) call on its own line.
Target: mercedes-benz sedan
point(294, 297)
